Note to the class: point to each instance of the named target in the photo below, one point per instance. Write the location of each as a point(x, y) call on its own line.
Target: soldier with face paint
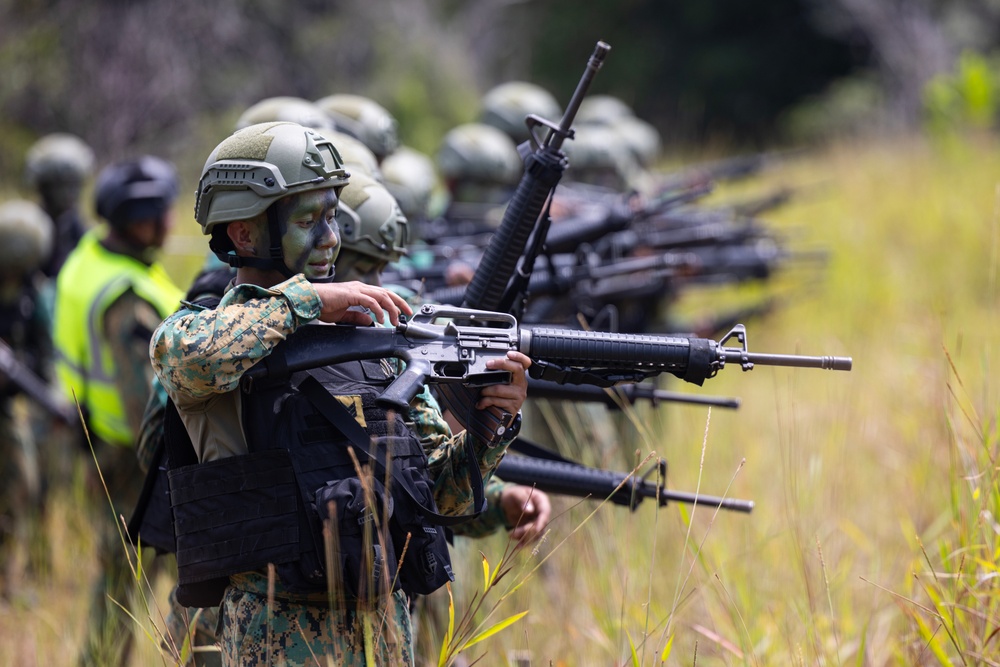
point(268, 197)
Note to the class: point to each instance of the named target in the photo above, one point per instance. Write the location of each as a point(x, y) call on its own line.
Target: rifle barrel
point(573, 479)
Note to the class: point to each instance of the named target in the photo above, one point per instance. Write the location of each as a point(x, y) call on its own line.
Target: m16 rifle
point(456, 353)
point(573, 479)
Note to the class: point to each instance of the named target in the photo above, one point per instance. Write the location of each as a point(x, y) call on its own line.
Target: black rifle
point(34, 387)
point(591, 225)
point(495, 285)
point(456, 354)
point(573, 479)
point(627, 394)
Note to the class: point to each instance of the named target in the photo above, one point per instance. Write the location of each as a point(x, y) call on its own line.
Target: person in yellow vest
point(110, 296)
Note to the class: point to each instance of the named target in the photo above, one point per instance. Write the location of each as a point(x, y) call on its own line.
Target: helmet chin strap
point(275, 261)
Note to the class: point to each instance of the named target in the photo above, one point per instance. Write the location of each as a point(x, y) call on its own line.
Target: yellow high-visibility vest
point(89, 282)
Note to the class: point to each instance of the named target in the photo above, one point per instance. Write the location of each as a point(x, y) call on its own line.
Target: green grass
point(874, 540)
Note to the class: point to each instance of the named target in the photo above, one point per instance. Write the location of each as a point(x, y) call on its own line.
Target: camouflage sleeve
point(129, 323)
point(446, 455)
point(200, 352)
point(491, 520)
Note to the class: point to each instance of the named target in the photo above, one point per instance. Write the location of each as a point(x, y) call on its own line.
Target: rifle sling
point(338, 415)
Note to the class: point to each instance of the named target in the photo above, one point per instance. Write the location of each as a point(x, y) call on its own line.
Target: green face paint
point(310, 237)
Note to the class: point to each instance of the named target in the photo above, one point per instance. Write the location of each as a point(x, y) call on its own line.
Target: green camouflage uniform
point(199, 356)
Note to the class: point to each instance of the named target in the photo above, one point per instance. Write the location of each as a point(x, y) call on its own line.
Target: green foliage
point(968, 98)
point(954, 608)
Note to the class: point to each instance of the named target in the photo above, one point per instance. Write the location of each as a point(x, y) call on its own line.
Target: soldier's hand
point(337, 298)
point(526, 510)
point(507, 397)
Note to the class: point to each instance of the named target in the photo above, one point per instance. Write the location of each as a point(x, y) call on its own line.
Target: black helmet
point(138, 189)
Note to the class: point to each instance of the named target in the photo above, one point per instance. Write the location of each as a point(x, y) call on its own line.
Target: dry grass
point(856, 476)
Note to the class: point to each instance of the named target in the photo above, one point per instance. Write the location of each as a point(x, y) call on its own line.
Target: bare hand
point(526, 509)
point(507, 397)
point(337, 298)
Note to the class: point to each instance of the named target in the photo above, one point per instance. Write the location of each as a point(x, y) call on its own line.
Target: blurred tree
point(695, 69)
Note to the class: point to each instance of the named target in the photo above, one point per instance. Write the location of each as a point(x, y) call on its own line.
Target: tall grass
point(874, 538)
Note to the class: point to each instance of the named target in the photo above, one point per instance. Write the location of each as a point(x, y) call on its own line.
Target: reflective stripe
point(91, 280)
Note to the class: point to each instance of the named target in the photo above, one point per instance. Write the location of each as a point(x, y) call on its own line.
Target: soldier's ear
point(241, 234)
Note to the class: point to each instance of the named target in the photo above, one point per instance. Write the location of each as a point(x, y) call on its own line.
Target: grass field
point(874, 538)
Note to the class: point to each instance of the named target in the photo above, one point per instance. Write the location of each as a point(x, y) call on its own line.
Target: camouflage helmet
point(363, 119)
point(126, 191)
point(291, 109)
point(506, 105)
point(56, 158)
point(411, 178)
point(602, 110)
point(26, 237)
point(641, 138)
point(371, 223)
point(258, 165)
point(479, 153)
point(598, 156)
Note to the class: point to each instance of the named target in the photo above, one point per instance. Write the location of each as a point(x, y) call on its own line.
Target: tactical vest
point(90, 281)
point(241, 513)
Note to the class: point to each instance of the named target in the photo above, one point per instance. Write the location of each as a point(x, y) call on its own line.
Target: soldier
point(479, 165)
point(110, 295)
point(505, 107)
point(25, 242)
point(56, 167)
point(275, 221)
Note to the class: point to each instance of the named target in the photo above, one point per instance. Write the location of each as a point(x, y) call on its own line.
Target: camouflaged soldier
point(267, 198)
point(56, 167)
point(25, 242)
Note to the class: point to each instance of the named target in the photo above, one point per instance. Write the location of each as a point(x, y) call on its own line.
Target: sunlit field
point(875, 534)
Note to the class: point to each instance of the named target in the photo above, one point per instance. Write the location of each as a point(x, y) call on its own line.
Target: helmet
point(479, 153)
point(602, 110)
point(363, 119)
point(292, 109)
point(371, 223)
point(143, 188)
point(642, 139)
point(357, 157)
point(598, 156)
point(26, 236)
point(505, 107)
point(58, 157)
point(258, 165)
point(411, 178)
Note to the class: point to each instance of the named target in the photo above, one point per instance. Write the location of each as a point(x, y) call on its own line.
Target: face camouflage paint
point(310, 237)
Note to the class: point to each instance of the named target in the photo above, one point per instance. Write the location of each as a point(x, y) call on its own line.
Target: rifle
point(457, 354)
point(627, 394)
point(568, 235)
point(33, 386)
point(492, 286)
point(574, 479)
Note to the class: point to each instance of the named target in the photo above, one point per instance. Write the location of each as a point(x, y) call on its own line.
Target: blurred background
point(874, 540)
